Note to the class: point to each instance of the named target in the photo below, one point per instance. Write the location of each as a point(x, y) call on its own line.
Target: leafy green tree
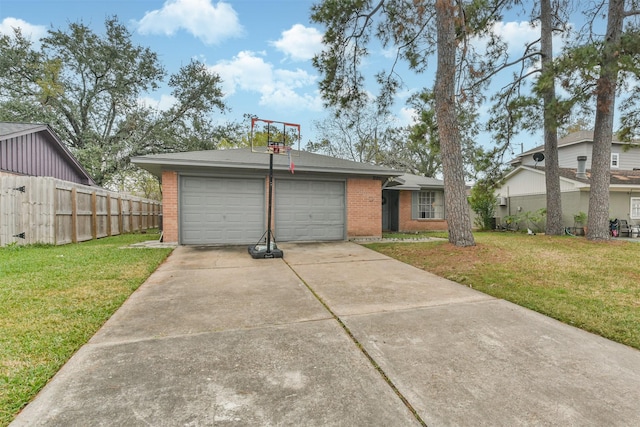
point(483, 203)
point(88, 88)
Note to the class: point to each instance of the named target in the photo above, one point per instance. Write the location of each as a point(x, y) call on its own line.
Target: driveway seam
point(370, 358)
point(195, 334)
point(489, 299)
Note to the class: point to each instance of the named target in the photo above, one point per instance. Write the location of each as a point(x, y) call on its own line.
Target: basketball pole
point(270, 249)
point(269, 254)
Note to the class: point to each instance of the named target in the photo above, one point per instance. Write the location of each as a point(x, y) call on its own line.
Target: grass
point(593, 286)
point(53, 299)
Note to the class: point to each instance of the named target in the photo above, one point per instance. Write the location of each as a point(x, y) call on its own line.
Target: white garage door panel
point(309, 210)
point(221, 210)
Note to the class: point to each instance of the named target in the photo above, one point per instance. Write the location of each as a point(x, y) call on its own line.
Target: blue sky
point(261, 49)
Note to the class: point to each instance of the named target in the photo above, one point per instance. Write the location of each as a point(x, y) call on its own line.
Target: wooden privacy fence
point(49, 210)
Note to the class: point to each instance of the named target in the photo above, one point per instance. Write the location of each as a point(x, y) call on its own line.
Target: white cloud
point(407, 116)
point(246, 71)
point(163, 104)
point(299, 43)
point(278, 88)
point(205, 21)
point(31, 32)
point(517, 34)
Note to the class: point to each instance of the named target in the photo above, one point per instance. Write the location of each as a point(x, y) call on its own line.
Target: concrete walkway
point(333, 334)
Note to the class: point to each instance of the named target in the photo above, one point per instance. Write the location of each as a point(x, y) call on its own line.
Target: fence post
point(130, 215)
point(120, 225)
point(94, 215)
point(74, 215)
point(109, 214)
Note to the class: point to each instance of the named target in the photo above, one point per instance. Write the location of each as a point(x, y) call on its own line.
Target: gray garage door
point(221, 210)
point(309, 210)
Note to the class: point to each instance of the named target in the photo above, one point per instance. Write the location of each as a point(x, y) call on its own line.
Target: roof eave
point(176, 164)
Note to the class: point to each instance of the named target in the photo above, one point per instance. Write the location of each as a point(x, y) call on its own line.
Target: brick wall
point(364, 207)
point(406, 223)
point(170, 206)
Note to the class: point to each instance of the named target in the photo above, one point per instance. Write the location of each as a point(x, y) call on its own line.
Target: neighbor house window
point(615, 160)
point(635, 208)
point(427, 205)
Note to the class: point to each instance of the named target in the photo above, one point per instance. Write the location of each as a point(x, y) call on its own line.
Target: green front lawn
point(53, 299)
point(594, 286)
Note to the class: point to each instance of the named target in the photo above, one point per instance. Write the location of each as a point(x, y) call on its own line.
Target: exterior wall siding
point(530, 183)
point(629, 158)
point(33, 155)
point(572, 203)
point(170, 206)
point(568, 156)
point(364, 207)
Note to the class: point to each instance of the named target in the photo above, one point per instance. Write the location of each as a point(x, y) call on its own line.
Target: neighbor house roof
point(413, 182)
point(245, 159)
point(619, 178)
point(11, 130)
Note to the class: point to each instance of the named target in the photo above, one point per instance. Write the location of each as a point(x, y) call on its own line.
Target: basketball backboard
point(273, 137)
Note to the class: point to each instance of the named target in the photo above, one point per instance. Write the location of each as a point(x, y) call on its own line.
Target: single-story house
point(220, 196)
point(413, 203)
point(35, 150)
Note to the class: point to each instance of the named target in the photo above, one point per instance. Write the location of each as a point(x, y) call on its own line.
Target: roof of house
point(571, 139)
point(245, 159)
point(9, 130)
point(413, 182)
point(618, 177)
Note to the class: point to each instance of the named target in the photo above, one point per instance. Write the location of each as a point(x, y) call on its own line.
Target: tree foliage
point(88, 87)
point(483, 203)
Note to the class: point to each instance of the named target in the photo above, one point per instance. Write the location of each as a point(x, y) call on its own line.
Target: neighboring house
point(35, 150)
point(220, 196)
point(524, 188)
point(413, 203)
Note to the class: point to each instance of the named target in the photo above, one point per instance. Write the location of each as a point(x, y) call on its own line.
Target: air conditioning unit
point(502, 201)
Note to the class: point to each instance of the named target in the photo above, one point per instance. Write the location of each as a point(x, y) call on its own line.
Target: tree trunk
point(456, 205)
point(552, 173)
point(598, 222)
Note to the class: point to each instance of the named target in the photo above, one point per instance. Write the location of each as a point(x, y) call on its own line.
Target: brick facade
point(364, 207)
point(407, 224)
point(170, 206)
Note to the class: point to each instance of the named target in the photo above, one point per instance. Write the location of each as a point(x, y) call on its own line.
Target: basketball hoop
point(273, 137)
point(275, 142)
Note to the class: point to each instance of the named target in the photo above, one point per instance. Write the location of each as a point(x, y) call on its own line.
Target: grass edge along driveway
point(594, 286)
point(53, 299)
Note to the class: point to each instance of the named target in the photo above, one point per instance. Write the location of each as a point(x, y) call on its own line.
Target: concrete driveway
point(333, 334)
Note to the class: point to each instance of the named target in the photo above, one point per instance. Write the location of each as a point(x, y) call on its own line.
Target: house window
point(615, 160)
point(427, 205)
point(635, 208)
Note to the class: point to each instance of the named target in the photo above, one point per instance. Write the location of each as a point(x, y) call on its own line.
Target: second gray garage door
point(309, 210)
point(221, 210)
